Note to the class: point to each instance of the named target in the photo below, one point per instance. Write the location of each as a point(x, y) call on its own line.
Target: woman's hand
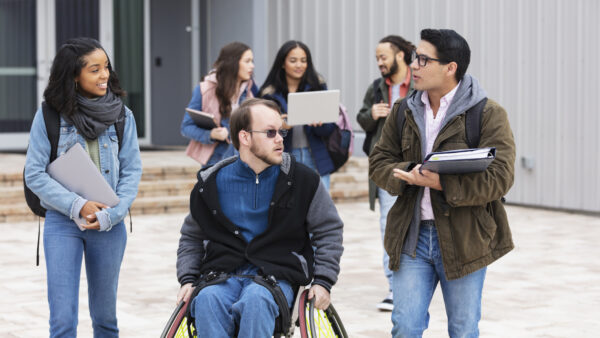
point(316, 124)
point(219, 134)
point(90, 208)
point(88, 212)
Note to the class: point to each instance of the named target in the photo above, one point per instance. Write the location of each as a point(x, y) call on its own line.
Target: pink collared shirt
point(432, 129)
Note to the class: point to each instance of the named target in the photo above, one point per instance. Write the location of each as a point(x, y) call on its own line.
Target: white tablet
point(312, 107)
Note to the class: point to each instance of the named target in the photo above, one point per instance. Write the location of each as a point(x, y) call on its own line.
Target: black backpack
point(472, 121)
point(52, 121)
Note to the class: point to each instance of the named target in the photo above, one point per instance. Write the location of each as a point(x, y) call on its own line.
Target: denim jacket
point(190, 130)
point(121, 169)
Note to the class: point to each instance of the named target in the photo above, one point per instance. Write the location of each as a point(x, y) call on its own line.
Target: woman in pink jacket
point(220, 93)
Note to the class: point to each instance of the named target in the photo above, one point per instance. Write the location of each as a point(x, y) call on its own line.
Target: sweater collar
point(204, 174)
point(242, 169)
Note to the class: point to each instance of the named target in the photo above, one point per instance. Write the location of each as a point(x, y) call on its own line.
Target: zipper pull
point(257, 179)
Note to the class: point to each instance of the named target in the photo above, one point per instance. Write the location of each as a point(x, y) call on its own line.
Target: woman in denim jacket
point(293, 71)
point(86, 92)
point(221, 92)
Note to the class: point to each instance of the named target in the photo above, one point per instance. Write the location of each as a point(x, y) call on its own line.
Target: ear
point(452, 67)
point(244, 138)
point(400, 56)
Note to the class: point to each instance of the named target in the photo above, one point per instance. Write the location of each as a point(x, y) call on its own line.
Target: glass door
point(18, 65)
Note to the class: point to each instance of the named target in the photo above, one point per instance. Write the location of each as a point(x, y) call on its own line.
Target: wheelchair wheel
point(177, 326)
point(318, 323)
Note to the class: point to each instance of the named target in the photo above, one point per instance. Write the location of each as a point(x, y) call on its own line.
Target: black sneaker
point(387, 304)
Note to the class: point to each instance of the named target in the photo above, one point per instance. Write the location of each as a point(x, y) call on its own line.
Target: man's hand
point(322, 301)
point(380, 110)
point(425, 178)
point(185, 292)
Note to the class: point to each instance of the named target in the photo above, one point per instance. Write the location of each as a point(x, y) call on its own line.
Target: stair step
point(166, 189)
point(160, 205)
point(169, 173)
point(12, 194)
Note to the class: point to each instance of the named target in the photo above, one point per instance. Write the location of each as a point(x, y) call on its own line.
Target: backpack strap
point(401, 118)
point(377, 97)
point(120, 126)
point(473, 123)
point(52, 121)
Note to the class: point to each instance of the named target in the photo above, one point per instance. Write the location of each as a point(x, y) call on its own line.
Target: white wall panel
point(536, 58)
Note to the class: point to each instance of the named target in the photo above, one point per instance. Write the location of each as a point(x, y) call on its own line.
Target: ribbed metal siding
point(537, 58)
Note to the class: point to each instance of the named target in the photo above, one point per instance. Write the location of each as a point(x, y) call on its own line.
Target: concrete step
point(172, 187)
point(167, 189)
point(19, 212)
point(12, 194)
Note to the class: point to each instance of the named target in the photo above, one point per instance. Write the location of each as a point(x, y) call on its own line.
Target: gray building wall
point(537, 58)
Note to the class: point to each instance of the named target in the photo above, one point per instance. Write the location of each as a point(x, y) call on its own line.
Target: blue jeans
point(414, 284)
point(238, 302)
point(64, 246)
point(303, 156)
point(386, 201)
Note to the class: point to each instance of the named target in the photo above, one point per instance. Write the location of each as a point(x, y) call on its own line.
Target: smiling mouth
point(102, 85)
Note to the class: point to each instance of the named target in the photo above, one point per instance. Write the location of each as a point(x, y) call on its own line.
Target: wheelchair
point(312, 322)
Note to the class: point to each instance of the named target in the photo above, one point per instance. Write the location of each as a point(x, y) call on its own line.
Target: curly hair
point(61, 92)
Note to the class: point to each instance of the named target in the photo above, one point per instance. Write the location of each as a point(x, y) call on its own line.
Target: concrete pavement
point(549, 286)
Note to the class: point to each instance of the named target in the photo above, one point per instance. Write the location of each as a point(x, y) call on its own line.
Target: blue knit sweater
point(245, 197)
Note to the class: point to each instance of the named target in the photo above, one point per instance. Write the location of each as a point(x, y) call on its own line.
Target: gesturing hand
point(425, 178)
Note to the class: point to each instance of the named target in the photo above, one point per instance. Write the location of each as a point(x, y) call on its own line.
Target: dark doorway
point(170, 70)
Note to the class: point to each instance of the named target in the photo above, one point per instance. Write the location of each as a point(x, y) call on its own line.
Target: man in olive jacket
point(442, 228)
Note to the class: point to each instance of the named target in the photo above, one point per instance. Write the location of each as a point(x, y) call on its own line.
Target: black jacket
point(300, 205)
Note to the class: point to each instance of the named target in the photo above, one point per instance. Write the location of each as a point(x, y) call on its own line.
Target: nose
point(414, 64)
point(105, 73)
point(278, 137)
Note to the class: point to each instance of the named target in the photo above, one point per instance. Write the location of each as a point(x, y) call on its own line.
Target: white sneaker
point(387, 304)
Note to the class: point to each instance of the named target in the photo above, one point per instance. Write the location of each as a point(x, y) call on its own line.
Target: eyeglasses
point(423, 59)
point(271, 132)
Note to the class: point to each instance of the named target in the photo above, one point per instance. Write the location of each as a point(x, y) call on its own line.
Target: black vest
point(284, 250)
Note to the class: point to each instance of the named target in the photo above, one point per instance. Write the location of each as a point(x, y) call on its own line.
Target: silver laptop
point(77, 173)
point(312, 107)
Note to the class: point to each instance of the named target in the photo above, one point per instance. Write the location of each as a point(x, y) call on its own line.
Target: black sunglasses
point(271, 132)
point(423, 59)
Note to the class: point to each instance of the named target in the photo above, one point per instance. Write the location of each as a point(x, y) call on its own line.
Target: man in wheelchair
point(260, 225)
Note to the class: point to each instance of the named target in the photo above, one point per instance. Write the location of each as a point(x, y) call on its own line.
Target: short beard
point(393, 70)
point(263, 157)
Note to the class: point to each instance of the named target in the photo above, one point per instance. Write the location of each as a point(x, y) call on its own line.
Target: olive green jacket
point(470, 219)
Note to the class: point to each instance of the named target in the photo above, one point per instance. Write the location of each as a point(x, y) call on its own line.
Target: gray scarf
point(93, 116)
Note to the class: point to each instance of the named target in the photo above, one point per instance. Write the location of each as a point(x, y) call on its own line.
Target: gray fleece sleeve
point(190, 252)
point(326, 228)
